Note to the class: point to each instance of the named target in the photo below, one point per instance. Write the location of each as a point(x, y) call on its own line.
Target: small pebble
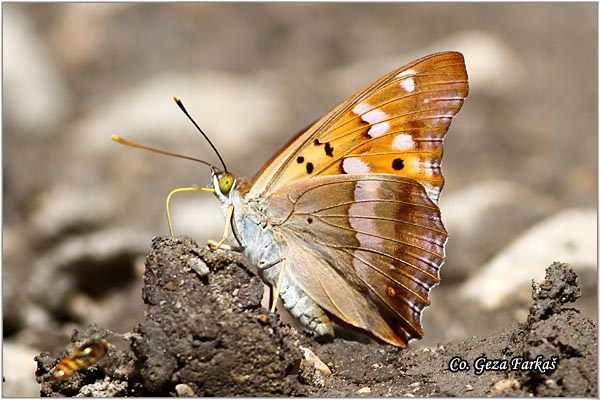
point(262, 318)
point(311, 358)
point(501, 386)
point(551, 383)
point(199, 267)
point(184, 390)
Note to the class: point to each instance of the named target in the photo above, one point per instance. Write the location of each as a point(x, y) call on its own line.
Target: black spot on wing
point(398, 164)
point(328, 149)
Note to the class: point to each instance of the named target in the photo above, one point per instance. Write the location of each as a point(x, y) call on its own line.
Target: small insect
point(82, 358)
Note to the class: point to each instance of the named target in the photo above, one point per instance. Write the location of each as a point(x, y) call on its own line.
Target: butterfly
point(343, 221)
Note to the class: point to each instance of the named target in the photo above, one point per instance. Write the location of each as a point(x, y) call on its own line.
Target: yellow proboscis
point(180, 190)
point(211, 244)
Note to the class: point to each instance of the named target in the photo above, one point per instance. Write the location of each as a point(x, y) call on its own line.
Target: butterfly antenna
point(119, 139)
point(180, 104)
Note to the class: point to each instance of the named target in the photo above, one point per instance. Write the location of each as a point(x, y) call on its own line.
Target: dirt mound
point(206, 334)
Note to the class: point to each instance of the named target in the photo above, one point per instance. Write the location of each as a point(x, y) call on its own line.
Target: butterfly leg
point(275, 294)
point(278, 287)
point(211, 243)
point(179, 190)
point(214, 245)
point(279, 281)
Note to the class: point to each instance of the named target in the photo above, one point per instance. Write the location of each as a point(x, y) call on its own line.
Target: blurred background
point(79, 210)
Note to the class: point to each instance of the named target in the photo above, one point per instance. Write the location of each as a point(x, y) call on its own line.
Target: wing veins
point(346, 203)
point(392, 100)
point(374, 268)
point(324, 287)
point(411, 278)
point(418, 282)
point(325, 125)
point(349, 151)
point(354, 180)
point(386, 238)
point(383, 237)
point(409, 323)
point(387, 153)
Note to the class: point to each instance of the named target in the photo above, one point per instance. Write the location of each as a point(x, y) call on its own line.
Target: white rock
point(233, 110)
point(18, 370)
point(491, 65)
point(64, 206)
point(35, 95)
point(569, 236)
point(463, 210)
point(470, 211)
point(104, 388)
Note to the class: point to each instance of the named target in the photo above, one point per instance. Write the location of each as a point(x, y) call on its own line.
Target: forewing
point(395, 125)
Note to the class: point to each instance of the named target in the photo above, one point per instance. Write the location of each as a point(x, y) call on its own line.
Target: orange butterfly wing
point(396, 125)
point(354, 198)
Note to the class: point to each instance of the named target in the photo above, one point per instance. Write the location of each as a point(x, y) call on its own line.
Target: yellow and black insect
point(83, 357)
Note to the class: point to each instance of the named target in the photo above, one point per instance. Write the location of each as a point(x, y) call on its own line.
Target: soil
point(206, 334)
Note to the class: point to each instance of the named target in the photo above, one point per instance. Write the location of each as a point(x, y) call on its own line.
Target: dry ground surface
point(205, 334)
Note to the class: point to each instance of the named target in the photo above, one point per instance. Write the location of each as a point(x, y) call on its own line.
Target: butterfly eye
point(226, 183)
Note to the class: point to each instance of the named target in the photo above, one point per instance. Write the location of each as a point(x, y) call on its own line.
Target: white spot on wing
point(357, 220)
point(408, 84)
point(378, 129)
point(403, 142)
point(408, 72)
point(374, 116)
point(355, 166)
point(361, 108)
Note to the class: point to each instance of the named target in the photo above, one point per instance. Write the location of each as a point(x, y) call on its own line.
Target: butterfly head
point(223, 183)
